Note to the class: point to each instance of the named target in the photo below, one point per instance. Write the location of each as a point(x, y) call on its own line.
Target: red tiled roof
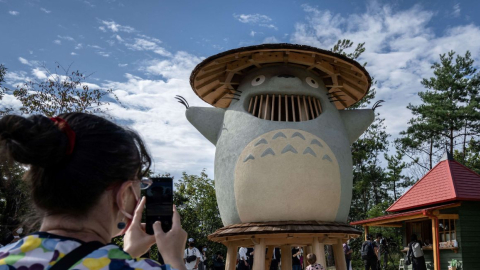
point(447, 181)
point(402, 214)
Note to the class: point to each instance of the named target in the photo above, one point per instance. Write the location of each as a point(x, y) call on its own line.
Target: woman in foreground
point(85, 175)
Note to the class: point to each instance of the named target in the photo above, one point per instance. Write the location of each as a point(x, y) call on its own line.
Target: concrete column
point(259, 255)
point(340, 263)
point(230, 263)
point(286, 257)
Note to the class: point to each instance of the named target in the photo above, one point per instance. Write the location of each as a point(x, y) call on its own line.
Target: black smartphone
point(159, 203)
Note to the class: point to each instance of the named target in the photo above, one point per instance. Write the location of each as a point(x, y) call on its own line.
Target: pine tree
point(449, 110)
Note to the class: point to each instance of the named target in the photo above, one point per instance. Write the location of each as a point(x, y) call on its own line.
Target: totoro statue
point(281, 130)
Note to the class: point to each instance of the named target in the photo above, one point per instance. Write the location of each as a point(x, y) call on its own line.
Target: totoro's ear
point(208, 121)
point(356, 122)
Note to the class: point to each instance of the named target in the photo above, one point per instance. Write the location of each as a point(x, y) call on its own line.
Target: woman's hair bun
point(35, 140)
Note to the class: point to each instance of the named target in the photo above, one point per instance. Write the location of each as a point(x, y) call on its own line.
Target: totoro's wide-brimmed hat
point(215, 78)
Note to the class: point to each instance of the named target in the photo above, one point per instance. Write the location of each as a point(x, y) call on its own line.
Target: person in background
point(348, 254)
point(378, 244)
point(85, 174)
point(204, 253)
point(312, 265)
point(219, 262)
point(191, 255)
point(369, 253)
point(275, 259)
point(415, 252)
point(243, 259)
point(250, 253)
point(296, 252)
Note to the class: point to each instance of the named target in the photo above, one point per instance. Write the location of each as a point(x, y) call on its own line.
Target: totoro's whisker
point(183, 101)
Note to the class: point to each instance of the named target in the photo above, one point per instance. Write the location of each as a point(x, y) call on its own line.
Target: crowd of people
point(372, 252)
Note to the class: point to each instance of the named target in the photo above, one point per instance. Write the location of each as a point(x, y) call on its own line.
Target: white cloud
point(141, 44)
point(78, 46)
point(104, 54)
point(115, 27)
point(39, 73)
point(58, 42)
point(89, 4)
point(252, 18)
point(28, 62)
point(252, 33)
point(45, 10)
point(400, 48)
point(119, 38)
point(179, 66)
point(272, 26)
point(258, 19)
point(122, 65)
point(68, 38)
point(95, 47)
point(456, 10)
point(14, 13)
point(152, 111)
point(73, 53)
point(24, 61)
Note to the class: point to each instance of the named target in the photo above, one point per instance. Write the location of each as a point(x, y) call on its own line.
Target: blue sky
point(145, 51)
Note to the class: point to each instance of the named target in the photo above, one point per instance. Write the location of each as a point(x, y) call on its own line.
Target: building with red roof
point(443, 210)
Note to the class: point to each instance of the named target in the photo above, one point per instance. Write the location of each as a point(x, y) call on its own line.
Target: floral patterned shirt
point(41, 250)
point(315, 266)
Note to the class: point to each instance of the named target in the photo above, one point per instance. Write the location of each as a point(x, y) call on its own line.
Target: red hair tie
point(65, 128)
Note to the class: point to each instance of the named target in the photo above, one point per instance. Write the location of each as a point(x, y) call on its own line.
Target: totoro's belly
point(287, 174)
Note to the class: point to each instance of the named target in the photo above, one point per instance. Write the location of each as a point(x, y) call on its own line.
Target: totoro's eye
point(258, 80)
point(312, 82)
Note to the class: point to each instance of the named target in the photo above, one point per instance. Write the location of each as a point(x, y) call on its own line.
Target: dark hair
point(104, 156)
point(311, 258)
point(413, 237)
point(369, 237)
point(379, 235)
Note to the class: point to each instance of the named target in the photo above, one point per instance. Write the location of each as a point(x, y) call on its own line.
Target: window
point(447, 230)
point(422, 229)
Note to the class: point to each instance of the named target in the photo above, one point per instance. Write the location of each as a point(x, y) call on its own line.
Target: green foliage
point(396, 180)
point(61, 94)
point(196, 202)
point(14, 202)
point(449, 111)
point(3, 71)
point(471, 157)
point(55, 95)
point(345, 44)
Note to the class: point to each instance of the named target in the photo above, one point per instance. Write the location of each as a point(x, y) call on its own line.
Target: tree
point(396, 181)
point(197, 205)
point(449, 110)
point(3, 71)
point(55, 95)
point(371, 183)
point(62, 94)
point(13, 191)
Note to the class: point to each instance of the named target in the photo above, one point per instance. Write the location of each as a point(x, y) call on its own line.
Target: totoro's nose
point(285, 81)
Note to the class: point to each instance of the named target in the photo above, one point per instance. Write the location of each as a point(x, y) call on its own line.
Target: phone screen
point(159, 203)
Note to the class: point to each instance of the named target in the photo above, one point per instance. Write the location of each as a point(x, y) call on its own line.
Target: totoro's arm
point(208, 121)
point(356, 122)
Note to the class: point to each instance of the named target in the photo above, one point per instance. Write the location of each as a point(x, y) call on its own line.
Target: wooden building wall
point(469, 215)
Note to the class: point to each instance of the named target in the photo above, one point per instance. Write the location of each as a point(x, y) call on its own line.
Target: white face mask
point(205, 249)
point(19, 231)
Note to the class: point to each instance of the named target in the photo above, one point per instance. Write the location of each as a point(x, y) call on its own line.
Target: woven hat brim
point(215, 78)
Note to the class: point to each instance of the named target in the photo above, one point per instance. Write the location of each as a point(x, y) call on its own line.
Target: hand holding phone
point(159, 203)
